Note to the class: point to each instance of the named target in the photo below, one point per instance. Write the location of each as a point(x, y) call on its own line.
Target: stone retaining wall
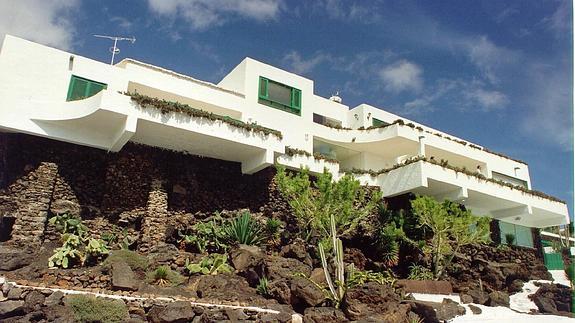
point(42, 177)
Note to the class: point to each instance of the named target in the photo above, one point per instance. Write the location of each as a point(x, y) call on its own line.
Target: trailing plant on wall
point(445, 164)
point(300, 152)
point(452, 228)
point(314, 203)
point(180, 108)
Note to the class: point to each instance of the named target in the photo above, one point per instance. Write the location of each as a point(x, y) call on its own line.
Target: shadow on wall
point(91, 182)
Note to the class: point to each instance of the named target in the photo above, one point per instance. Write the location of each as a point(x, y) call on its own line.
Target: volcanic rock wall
point(141, 188)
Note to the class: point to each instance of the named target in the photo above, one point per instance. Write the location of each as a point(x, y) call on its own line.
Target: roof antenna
point(336, 97)
point(114, 49)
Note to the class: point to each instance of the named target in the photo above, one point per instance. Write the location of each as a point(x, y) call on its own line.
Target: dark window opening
point(326, 121)
point(378, 123)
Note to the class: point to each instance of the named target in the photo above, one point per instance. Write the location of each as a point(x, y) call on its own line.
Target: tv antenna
point(114, 49)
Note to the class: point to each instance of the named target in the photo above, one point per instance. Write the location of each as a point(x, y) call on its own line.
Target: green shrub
point(97, 309)
point(262, 287)
point(67, 223)
point(452, 228)
point(313, 204)
point(136, 261)
point(68, 253)
point(77, 247)
point(359, 277)
point(210, 265)
point(243, 230)
point(418, 272)
point(206, 236)
point(272, 226)
point(509, 238)
point(164, 276)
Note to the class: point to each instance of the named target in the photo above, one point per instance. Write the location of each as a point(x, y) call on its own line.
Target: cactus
point(337, 290)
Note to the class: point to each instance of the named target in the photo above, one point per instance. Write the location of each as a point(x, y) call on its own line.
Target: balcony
point(481, 195)
point(108, 120)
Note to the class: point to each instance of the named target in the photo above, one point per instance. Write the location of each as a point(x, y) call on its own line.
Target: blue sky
point(497, 73)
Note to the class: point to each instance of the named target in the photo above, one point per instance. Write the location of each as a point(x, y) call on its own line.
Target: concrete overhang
point(109, 120)
point(480, 196)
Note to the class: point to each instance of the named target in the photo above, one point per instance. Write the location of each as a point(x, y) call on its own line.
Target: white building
point(51, 93)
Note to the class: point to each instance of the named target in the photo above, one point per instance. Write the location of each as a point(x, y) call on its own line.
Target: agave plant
point(243, 230)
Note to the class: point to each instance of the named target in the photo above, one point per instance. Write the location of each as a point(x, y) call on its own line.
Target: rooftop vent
point(335, 97)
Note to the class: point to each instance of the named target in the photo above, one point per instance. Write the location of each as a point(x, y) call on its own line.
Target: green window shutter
point(81, 88)
point(296, 99)
point(77, 89)
point(263, 93)
point(94, 88)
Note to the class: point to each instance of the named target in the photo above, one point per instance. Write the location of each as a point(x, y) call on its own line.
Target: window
point(509, 179)
point(326, 121)
point(81, 88)
point(523, 236)
point(378, 123)
point(279, 96)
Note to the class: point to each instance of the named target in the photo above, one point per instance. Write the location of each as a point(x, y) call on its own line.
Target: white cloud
point(46, 22)
point(302, 66)
point(489, 58)
point(203, 14)
point(344, 11)
point(506, 13)
point(548, 113)
point(488, 100)
point(560, 20)
point(402, 75)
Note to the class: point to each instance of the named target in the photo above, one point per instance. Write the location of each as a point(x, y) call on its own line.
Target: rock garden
point(148, 235)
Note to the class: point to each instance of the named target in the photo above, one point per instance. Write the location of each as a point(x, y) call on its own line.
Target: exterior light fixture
point(368, 115)
point(356, 116)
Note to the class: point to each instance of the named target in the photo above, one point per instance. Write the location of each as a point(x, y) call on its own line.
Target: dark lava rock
point(176, 312)
point(279, 267)
point(474, 309)
point(426, 286)
point(11, 308)
point(280, 290)
point(355, 257)
point(163, 253)
point(306, 292)
point(297, 250)
point(59, 313)
point(465, 299)
point(244, 257)
point(323, 314)
point(498, 298)
point(54, 299)
point(515, 286)
point(424, 310)
point(478, 296)
point(226, 288)
point(15, 293)
point(249, 262)
point(284, 316)
point(34, 301)
point(449, 309)
point(123, 278)
point(552, 298)
point(13, 258)
point(374, 301)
